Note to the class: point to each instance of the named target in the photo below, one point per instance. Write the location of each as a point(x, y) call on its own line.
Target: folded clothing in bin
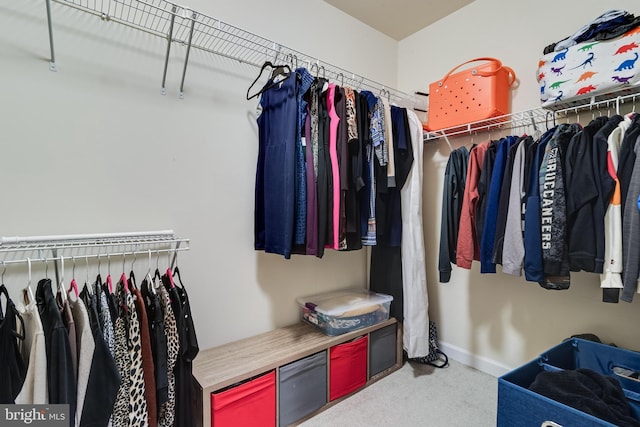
point(338, 312)
point(588, 391)
point(521, 405)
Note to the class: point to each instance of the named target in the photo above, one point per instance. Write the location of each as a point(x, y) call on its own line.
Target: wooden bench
point(231, 363)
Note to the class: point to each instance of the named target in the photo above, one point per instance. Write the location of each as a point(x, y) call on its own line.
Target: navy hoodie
point(491, 215)
point(533, 264)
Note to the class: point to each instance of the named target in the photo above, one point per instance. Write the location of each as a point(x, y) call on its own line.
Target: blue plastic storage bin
point(520, 407)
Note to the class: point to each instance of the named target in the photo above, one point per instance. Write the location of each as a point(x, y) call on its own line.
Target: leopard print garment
point(168, 409)
point(352, 124)
point(138, 415)
point(120, 416)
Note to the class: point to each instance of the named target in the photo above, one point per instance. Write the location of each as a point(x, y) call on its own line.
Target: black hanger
point(132, 281)
point(277, 70)
point(14, 310)
point(176, 271)
point(156, 276)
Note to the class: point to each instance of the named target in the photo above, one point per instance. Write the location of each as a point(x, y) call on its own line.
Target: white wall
point(498, 317)
point(96, 148)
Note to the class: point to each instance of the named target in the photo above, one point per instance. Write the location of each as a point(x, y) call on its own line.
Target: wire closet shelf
point(180, 24)
point(536, 118)
point(20, 250)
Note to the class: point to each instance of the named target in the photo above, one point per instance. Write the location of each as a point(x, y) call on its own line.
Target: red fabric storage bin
point(252, 404)
point(347, 368)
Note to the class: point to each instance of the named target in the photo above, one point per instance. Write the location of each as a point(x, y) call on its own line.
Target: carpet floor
point(419, 396)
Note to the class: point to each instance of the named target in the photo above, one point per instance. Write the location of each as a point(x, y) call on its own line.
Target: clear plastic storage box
point(344, 311)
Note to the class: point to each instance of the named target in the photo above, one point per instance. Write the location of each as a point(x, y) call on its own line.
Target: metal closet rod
point(78, 237)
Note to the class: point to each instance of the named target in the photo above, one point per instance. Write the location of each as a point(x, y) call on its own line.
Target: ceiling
point(398, 18)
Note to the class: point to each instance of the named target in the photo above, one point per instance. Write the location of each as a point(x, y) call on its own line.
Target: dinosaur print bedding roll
point(590, 69)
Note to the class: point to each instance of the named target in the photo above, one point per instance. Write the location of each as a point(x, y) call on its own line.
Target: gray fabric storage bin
point(303, 388)
point(382, 350)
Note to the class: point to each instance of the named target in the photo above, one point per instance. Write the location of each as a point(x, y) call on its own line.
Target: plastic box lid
point(339, 302)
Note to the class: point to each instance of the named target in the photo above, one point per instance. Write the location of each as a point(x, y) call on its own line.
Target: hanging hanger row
point(318, 69)
point(99, 256)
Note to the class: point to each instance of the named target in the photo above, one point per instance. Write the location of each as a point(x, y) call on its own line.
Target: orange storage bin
point(471, 95)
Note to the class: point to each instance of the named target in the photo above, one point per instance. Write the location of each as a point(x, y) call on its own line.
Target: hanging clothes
point(355, 179)
point(553, 216)
point(86, 348)
point(158, 341)
point(12, 369)
point(585, 200)
point(611, 279)
point(70, 325)
point(503, 204)
point(334, 195)
point(104, 378)
point(167, 414)
point(34, 354)
point(343, 165)
point(368, 195)
point(631, 233)
point(120, 415)
point(275, 173)
point(60, 370)
point(493, 199)
point(513, 245)
point(484, 185)
point(148, 368)
point(301, 184)
point(324, 181)
point(627, 159)
point(403, 163)
point(312, 198)
point(415, 329)
point(455, 176)
point(189, 349)
point(137, 403)
point(104, 316)
point(468, 246)
point(533, 265)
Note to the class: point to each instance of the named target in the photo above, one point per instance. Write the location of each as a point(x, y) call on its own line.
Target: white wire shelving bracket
point(180, 24)
point(72, 247)
point(536, 117)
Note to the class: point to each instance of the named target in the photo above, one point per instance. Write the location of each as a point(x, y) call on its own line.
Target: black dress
point(12, 369)
point(60, 372)
point(185, 392)
point(158, 341)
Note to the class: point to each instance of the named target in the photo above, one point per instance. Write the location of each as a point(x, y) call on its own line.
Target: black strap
point(11, 308)
point(442, 358)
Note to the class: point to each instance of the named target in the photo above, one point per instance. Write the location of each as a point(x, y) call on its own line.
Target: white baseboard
point(480, 363)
